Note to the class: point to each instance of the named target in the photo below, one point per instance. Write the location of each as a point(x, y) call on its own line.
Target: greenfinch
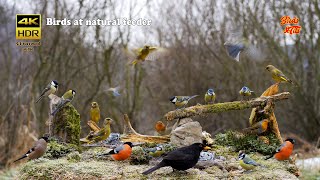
point(278, 75)
point(143, 54)
point(95, 112)
point(102, 134)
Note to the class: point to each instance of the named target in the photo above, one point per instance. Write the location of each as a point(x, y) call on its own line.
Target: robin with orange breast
point(121, 152)
point(160, 127)
point(258, 128)
point(284, 151)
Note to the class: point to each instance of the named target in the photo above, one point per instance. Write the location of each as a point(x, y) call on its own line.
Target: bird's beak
point(206, 148)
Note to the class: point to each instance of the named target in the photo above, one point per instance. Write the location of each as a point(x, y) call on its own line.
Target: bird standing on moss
point(51, 88)
point(181, 101)
point(245, 91)
point(37, 150)
point(258, 128)
point(246, 162)
point(66, 98)
point(121, 152)
point(209, 97)
point(284, 151)
point(278, 75)
point(181, 158)
point(156, 151)
point(95, 112)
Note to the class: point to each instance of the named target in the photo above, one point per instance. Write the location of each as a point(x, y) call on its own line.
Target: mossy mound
point(56, 150)
point(248, 143)
point(66, 125)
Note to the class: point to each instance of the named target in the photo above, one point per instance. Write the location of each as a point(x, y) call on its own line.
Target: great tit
point(51, 88)
point(181, 101)
point(66, 98)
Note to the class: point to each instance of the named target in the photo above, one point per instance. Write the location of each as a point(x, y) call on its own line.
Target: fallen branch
point(222, 107)
point(129, 134)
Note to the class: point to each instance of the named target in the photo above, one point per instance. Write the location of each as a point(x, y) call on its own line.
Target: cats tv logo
point(28, 26)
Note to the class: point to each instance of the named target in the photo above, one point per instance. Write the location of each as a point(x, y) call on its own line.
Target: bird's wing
point(250, 161)
point(118, 149)
point(45, 90)
point(280, 74)
point(280, 148)
point(60, 105)
point(180, 154)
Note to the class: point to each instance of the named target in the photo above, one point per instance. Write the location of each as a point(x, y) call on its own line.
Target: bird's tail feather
point(193, 96)
point(160, 165)
point(24, 156)
point(269, 157)
point(134, 62)
point(39, 99)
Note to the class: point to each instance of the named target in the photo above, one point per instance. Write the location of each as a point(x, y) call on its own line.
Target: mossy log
point(129, 134)
point(66, 123)
point(223, 107)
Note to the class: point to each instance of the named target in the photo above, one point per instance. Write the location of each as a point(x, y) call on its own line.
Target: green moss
point(56, 150)
point(66, 124)
point(139, 156)
point(74, 157)
point(249, 143)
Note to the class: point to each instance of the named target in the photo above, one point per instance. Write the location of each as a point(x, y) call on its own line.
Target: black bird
point(181, 158)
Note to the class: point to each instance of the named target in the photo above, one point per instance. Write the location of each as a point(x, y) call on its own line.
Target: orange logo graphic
point(293, 27)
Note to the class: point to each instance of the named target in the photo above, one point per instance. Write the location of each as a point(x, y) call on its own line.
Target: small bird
point(277, 75)
point(181, 158)
point(67, 97)
point(181, 101)
point(102, 134)
point(121, 152)
point(258, 128)
point(95, 112)
point(51, 88)
point(246, 162)
point(284, 151)
point(245, 91)
point(115, 91)
point(143, 53)
point(238, 44)
point(209, 97)
point(160, 127)
point(156, 151)
point(37, 150)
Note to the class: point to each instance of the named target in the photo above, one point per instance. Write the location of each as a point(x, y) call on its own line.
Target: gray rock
point(186, 132)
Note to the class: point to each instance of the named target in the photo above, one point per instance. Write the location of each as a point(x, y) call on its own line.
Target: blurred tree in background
point(90, 59)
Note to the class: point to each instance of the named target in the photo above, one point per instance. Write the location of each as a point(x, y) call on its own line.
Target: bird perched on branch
point(37, 150)
point(143, 54)
point(101, 135)
point(51, 88)
point(115, 91)
point(209, 97)
point(66, 98)
point(278, 75)
point(121, 152)
point(246, 162)
point(160, 127)
point(95, 112)
point(284, 151)
point(156, 151)
point(181, 101)
point(257, 128)
point(245, 91)
point(181, 158)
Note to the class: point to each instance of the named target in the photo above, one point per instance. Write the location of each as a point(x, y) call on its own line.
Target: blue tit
point(115, 91)
point(181, 101)
point(246, 162)
point(209, 97)
point(66, 98)
point(245, 91)
point(51, 88)
point(156, 151)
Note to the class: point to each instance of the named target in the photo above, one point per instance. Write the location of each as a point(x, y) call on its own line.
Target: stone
point(186, 132)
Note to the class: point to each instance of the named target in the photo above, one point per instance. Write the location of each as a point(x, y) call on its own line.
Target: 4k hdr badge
point(28, 26)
